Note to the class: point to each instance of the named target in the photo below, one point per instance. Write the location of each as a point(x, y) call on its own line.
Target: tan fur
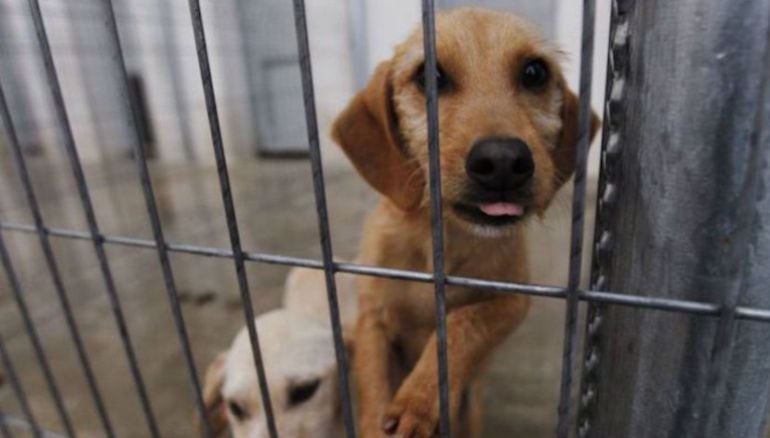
point(383, 132)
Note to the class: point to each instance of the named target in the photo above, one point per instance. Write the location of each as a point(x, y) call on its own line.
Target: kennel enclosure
point(679, 296)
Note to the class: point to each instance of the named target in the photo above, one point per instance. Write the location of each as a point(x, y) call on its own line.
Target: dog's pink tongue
point(502, 209)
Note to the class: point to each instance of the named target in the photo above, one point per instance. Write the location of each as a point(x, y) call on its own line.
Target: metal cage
point(725, 283)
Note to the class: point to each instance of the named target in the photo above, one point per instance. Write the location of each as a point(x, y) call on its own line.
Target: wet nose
point(500, 163)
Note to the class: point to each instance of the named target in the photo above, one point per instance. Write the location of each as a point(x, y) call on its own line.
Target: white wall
point(332, 68)
point(387, 23)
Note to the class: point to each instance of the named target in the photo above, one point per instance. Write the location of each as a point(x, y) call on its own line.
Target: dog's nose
point(500, 164)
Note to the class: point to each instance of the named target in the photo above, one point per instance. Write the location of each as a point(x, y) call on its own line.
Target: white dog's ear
point(212, 395)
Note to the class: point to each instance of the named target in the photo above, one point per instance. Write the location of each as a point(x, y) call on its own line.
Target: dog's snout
point(500, 164)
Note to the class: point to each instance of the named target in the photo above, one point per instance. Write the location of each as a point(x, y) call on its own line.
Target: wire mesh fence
point(727, 311)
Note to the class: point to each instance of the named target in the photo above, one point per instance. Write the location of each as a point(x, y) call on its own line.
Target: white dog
point(298, 354)
point(305, 293)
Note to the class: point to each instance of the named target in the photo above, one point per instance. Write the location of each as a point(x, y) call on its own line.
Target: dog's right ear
point(212, 396)
point(367, 131)
point(566, 151)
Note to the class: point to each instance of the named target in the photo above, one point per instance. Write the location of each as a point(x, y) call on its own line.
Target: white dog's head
point(301, 374)
point(298, 355)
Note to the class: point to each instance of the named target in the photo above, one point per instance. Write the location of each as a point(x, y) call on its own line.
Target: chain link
point(617, 72)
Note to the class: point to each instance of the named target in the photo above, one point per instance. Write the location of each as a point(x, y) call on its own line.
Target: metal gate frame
point(727, 310)
point(683, 212)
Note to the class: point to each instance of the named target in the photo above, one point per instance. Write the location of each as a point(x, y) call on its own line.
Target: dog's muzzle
point(499, 164)
point(500, 170)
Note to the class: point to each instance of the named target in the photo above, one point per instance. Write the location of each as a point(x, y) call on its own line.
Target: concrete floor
point(276, 213)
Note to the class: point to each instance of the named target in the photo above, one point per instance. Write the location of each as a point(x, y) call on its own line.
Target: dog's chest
point(410, 314)
point(410, 306)
point(413, 304)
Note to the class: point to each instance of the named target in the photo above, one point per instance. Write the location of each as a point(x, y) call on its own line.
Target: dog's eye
point(442, 79)
point(238, 411)
point(302, 392)
point(534, 75)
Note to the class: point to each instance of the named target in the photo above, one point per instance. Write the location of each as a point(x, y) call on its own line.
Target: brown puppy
point(508, 133)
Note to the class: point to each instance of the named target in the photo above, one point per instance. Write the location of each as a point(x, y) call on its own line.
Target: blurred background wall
point(254, 62)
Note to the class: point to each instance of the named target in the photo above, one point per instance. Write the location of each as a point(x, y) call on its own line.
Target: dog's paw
point(411, 417)
point(370, 429)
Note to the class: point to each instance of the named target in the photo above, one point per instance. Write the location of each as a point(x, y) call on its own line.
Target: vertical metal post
point(690, 223)
point(437, 225)
point(617, 63)
point(229, 207)
point(755, 183)
point(311, 121)
point(578, 210)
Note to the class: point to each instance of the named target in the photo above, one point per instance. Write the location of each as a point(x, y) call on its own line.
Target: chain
point(617, 72)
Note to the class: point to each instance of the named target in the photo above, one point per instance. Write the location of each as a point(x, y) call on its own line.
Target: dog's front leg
point(473, 331)
point(370, 362)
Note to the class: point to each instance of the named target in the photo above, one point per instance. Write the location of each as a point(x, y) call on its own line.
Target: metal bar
point(18, 389)
point(724, 339)
point(311, 121)
point(437, 226)
point(590, 296)
point(19, 423)
point(37, 347)
point(40, 229)
point(229, 207)
point(688, 184)
point(157, 229)
point(578, 210)
point(616, 71)
point(88, 210)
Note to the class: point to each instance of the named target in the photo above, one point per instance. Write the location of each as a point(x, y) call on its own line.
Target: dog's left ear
point(212, 395)
point(566, 150)
point(367, 130)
